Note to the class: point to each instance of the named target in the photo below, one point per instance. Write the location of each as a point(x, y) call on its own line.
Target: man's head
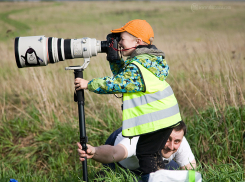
point(174, 140)
point(134, 33)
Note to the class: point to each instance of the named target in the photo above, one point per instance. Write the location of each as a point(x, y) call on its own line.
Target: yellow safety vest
point(152, 110)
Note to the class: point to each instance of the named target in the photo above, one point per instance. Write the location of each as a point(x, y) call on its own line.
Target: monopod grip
point(79, 93)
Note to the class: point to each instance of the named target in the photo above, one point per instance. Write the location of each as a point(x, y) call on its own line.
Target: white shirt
point(182, 157)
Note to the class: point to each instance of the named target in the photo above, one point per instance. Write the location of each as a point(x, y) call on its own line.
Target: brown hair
point(181, 126)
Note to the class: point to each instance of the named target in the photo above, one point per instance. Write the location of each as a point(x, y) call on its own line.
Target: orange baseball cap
point(138, 28)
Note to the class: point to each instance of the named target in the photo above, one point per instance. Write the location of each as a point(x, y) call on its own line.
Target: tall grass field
point(204, 44)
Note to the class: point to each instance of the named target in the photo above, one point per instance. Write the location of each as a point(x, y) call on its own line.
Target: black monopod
point(79, 98)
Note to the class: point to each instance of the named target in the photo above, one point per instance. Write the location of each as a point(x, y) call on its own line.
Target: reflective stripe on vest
point(144, 99)
point(154, 109)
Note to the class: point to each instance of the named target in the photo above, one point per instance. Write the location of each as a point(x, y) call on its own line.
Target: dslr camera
point(40, 50)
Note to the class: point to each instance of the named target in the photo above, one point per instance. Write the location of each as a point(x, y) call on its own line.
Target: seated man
point(123, 151)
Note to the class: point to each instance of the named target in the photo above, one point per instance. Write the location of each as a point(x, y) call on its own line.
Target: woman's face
point(127, 41)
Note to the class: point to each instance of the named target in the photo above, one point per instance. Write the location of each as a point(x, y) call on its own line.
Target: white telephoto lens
point(30, 51)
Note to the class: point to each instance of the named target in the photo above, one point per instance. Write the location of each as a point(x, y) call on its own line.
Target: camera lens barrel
point(61, 54)
point(40, 50)
point(31, 51)
point(67, 49)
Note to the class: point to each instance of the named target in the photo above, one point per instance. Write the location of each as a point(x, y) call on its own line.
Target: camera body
point(110, 46)
point(40, 50)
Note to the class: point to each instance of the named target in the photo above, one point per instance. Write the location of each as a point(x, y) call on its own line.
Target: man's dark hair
point(181, 126)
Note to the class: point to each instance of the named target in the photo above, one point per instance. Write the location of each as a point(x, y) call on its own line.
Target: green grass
point(222, 172)
point(32, 154)
point(21, 27)
point(216, 135)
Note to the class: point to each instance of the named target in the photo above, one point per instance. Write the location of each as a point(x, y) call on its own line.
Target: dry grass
point(212, 75)
point(205, 51)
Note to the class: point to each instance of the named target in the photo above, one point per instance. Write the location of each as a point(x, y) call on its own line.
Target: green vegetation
point(216, 136)
point(22, 28)
point(39, 119)
point(32, 154)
